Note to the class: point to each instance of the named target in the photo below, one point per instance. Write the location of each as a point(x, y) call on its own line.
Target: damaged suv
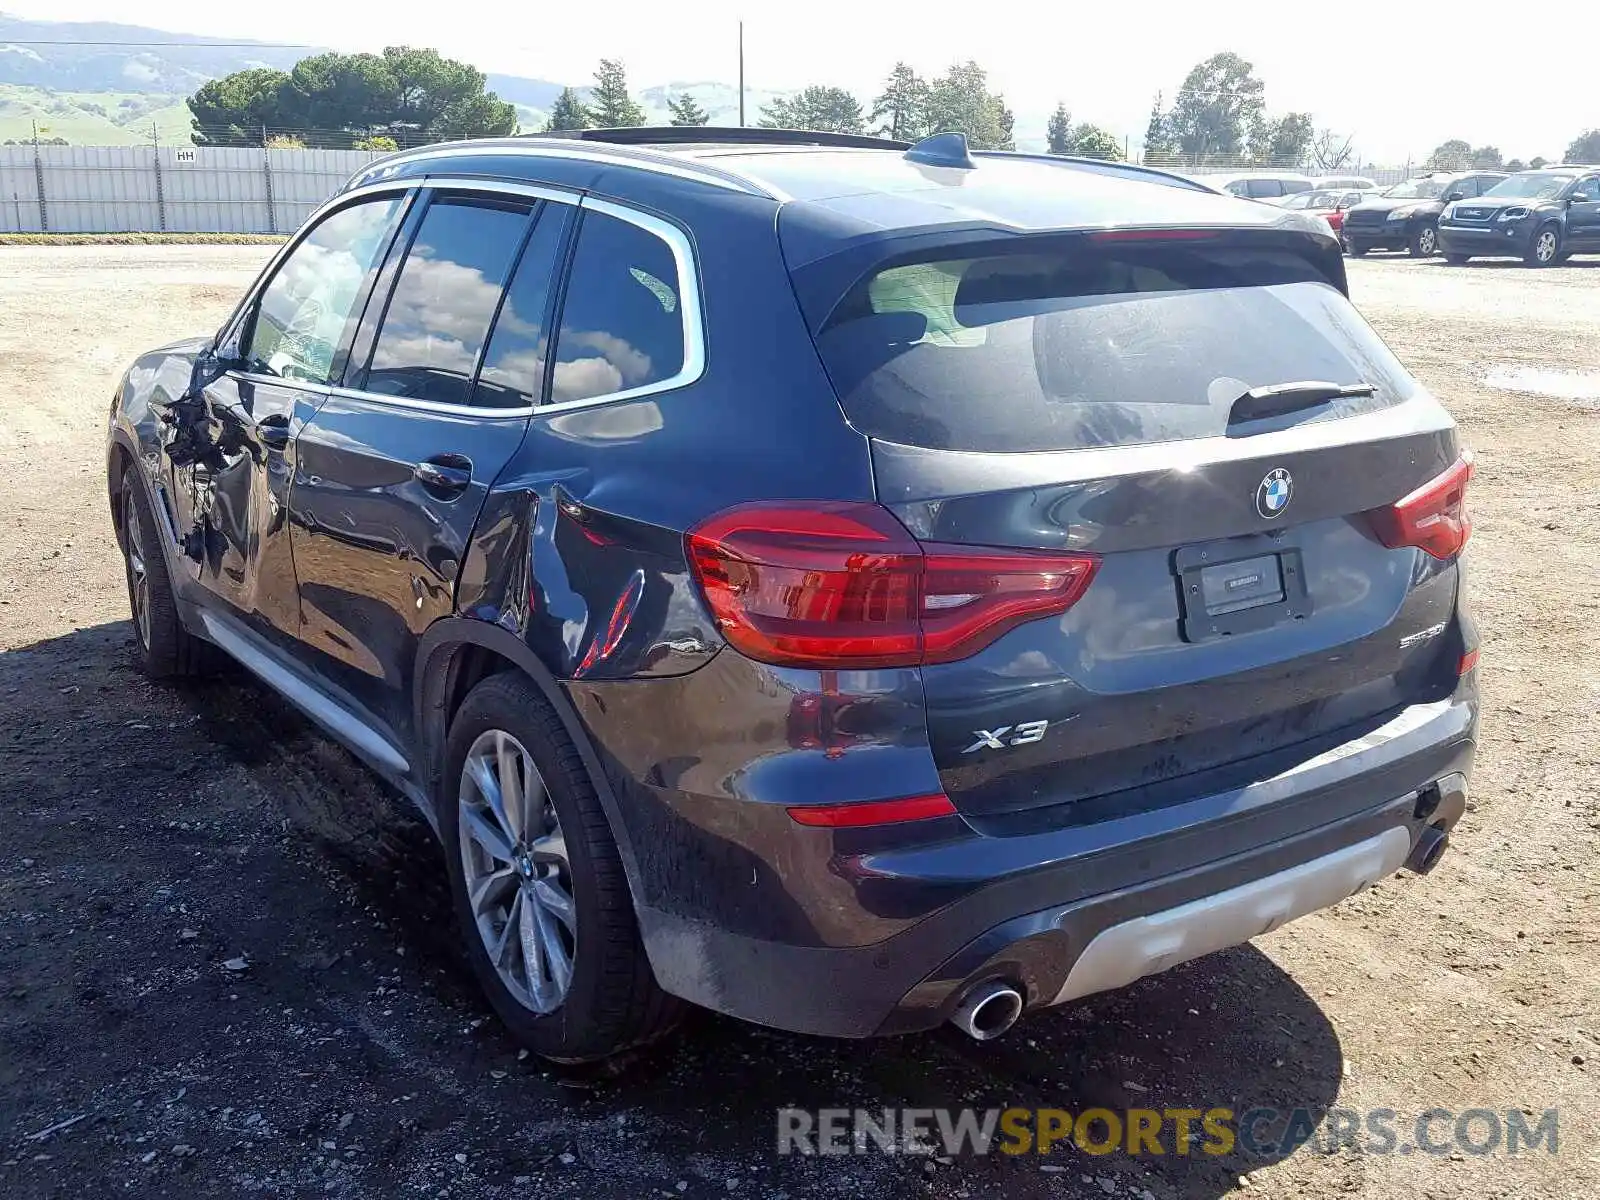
point(847, 585)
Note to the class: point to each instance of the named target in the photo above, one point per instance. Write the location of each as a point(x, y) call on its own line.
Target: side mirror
point(1454, 194)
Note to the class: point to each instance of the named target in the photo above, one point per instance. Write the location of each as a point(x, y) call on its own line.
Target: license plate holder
point(1240, 585)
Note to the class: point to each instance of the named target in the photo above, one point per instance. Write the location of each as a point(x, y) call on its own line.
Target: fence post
point(266, 171)
point(38, 179)
point(161, 195)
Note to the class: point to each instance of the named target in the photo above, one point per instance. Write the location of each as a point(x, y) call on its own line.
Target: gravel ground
point(227, 967)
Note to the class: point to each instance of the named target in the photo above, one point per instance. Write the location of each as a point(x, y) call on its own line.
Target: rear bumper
point(1073, 911)
point(1510, 239)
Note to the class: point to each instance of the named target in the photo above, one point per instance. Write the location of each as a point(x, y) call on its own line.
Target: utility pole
point(741, 74)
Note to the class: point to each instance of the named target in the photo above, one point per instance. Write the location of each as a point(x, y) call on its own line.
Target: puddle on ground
point(1580, 386)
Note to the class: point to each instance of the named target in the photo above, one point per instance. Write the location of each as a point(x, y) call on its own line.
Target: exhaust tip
point(1430, 848)
point(988, 1011)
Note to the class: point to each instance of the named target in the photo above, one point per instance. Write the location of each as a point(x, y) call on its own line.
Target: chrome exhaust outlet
point(1430, 848)
point(988, 1010)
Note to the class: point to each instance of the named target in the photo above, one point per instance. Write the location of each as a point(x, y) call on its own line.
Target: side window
point(622, 324)
point(303, 314)
point(1239, 187)
point(445, 297)
point(1588, 191)
point(512, 375)
point(1470, 188)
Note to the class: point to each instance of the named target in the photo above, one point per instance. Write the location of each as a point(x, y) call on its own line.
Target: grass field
point(92, 118)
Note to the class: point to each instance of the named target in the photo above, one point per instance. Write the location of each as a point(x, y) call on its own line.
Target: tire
point(1356, 249)
point(605, 999)
point(1545, 248)
point(1456, 260)
point(163, 647)
point(1424, 242)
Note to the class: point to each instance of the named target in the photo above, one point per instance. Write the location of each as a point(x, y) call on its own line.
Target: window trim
point(692, 318)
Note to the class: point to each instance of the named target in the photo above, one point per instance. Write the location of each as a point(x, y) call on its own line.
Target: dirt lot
point(154, 834)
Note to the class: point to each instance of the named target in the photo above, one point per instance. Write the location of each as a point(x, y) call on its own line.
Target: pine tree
point(1157, 135)
point(1008, 123)
point(568, 112)
point(613, 108)
point(686, 112)
point(820, 109)
point(903, 106)
point(1058, 131)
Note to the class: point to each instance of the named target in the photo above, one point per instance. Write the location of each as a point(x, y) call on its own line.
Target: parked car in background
point(1406, 216)
point(1336, 183)
point(1329, 205)
point(779, 592)
point(1541, 217)
point(1260, 185)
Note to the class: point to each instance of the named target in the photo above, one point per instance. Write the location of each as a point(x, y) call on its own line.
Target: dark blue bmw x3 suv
point(843, 584)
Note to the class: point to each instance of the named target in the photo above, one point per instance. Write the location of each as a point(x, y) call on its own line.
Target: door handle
point(445, 475)
point(273, 431)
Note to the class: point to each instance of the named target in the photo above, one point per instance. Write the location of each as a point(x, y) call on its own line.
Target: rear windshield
point(1082, 347)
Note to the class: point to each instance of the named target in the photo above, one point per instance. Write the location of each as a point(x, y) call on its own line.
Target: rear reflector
point(873, 812)
point(1433, 518)
point(836, 585)
point(1468, 661)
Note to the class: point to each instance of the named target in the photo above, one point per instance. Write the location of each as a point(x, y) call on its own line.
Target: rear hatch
point(1111, 395)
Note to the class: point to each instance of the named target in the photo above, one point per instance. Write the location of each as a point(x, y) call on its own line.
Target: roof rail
point(1103, 166)
point(700, 135)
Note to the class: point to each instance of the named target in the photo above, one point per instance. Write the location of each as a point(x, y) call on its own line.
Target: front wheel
point(1355, 249)
point(538, 882)
point(164, 647)
point(1544, 249)
point(1425, 242)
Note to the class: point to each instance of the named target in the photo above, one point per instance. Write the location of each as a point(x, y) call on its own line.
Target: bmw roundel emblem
point(1274, 494)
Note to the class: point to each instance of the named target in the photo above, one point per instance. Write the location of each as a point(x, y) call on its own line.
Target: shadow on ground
point(231, 968)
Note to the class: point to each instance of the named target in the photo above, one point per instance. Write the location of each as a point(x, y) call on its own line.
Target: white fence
point(151, 189)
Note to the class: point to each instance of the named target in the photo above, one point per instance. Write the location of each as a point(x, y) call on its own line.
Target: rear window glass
point(1089, 347)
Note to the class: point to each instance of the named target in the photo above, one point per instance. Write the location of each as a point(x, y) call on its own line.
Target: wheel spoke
point(483, 778)
point(497, 952)
point(490, 889)
point(557, 962)
point(533, 959)
point(553, 899)
point(486, 833)
point(552, 847)
point(508, 768)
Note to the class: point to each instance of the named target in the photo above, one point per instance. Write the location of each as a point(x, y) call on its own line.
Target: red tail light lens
point(1432, 518)
point(837, 585)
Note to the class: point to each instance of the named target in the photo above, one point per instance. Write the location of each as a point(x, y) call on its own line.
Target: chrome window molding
point(677, 241)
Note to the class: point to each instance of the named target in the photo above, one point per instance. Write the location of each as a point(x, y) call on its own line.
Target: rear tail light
point(1432, 518)
point(873, 812)
point(843, 585)
point(1468, 662)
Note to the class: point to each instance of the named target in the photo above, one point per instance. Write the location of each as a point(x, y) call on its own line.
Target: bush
point(285, 141)
point(379, 141)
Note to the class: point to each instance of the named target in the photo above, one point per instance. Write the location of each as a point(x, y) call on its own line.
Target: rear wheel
point(538, 883)
point(1355, 249)
point(1425, 242)
point(165, 649)
point(1544, 249)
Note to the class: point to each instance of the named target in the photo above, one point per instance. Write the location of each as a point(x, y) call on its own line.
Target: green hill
point(92, 118)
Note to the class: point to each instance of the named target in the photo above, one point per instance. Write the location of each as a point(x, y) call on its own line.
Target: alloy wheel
point(517, 874)
point(138, 573)
point(1544, 249)
point(1428, 241)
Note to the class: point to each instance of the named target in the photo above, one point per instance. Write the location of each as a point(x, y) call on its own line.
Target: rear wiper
point(1280, 398)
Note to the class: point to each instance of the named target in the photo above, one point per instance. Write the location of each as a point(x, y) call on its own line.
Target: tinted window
point(301, 320)
point(445, 298)
point(512, 375)
point(1082, 347)
point(1239, 188)
point(622, 323)
point(1262, 188)
point(1588, 191)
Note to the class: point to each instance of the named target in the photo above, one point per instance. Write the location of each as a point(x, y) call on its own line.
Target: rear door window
point(1083, 347)
point(1262, 189)
point(445, 298)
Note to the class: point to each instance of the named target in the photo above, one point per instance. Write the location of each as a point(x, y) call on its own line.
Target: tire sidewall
point(563, 1032)
point(1532, 258)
